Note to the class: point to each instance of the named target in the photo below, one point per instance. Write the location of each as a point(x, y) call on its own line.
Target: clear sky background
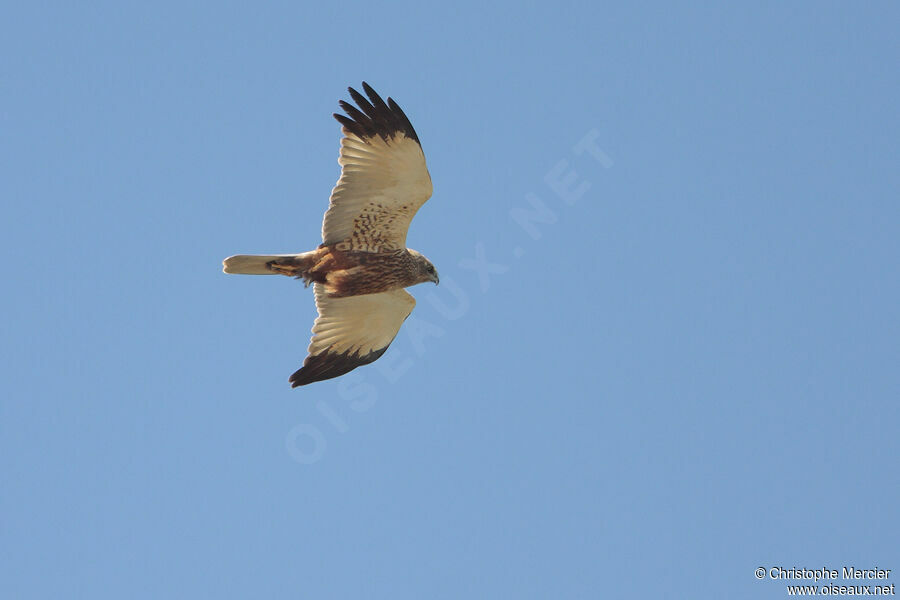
point(681, 363)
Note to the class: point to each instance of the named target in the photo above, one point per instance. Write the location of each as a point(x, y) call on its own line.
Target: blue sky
point(682, 367)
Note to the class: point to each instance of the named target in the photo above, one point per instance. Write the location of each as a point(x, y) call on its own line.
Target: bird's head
point(427, 272)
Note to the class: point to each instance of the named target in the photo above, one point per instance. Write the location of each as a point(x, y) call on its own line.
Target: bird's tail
point(294, 265)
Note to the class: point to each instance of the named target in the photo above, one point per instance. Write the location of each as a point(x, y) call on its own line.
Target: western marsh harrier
point(362, 265)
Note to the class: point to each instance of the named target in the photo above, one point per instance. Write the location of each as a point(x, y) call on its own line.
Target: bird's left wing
point(384, 180)
point(351, 331)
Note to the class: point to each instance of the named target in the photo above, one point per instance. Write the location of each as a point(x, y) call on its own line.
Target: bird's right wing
point(351, 331)
point(384, 180)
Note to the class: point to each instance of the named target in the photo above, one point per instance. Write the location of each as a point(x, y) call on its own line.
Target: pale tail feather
point(253, 264)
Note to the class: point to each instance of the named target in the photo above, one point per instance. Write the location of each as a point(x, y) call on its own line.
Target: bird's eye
point(430, 269)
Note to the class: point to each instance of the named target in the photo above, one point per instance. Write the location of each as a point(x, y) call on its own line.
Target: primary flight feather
point(361, 268)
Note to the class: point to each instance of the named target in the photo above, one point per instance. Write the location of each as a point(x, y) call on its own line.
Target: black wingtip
point(374, 116)
point(328, 366)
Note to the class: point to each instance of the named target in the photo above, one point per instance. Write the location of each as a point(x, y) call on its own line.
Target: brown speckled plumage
point(363, 265)
point(354, 273)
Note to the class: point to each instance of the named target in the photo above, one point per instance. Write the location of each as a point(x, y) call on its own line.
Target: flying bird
point(362, 266)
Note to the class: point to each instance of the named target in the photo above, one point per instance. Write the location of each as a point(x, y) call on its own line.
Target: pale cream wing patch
point(383, 182)
point(351, 331)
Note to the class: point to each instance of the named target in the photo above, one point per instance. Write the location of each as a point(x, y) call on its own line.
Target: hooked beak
point(436, 279)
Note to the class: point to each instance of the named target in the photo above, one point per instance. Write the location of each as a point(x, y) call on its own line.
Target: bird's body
point(352, 272)
point(362, 267)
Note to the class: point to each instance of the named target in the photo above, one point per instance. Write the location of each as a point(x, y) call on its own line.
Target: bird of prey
point(362, 266)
